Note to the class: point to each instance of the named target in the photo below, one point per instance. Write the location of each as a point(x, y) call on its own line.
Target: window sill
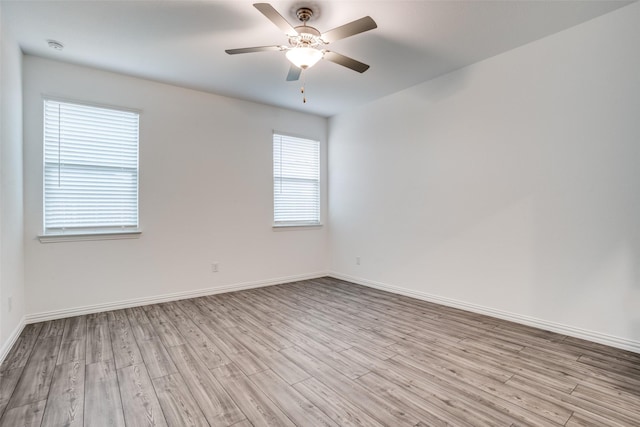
point(114, 235)
point(283, 227)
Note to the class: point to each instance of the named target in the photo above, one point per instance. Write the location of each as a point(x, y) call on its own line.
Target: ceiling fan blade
point(345, 61)
point(351, 29)
point(273, 16)
point(294, 73)
point(254, 49)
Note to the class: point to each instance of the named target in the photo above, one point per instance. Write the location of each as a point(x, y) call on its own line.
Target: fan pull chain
point(304, 97)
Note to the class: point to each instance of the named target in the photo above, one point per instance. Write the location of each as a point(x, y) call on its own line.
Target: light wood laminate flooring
point(318, 352)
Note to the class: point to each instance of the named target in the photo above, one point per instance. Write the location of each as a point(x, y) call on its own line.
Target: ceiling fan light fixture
point(304, 57)
point(307, 45)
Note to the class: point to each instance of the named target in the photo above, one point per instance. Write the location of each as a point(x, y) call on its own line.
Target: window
point(90, 169)
point(296, 181)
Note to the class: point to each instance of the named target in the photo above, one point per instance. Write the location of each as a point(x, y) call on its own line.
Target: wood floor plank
point(288, 370)
point(300, 339)
point(609, 396)
point(141, 327)
point(583, 420)
point(586, 407)
point(484, 403)
point(376, 407)
point(258, 408)
point(213, 307)
point(605, 400)
point(139, 400)
point(210, 354)
point(370, 312)
point(425, 352)
point(299, 336)
point(569, 373)
point(461, 398)
point(551, 353)
point(247, 322)
point(178, 406)
point(346, 366)
point(8, 381)
point(305, 328)
point(215, 402)
point(600, 350)
point(32, 329)
point(341, 411)
point(203, 314)
point(52, 328)
point(98, 345)
point(290, 401)
point(24, 416)
point(125, 350)
point(35, 380)
point(336, 331)
point(75, 328)
point(21, 350)
point(72, 351)
point(156, 358)
point(167, 332)
point(600, 376)
point(422, 409)
point(102, 406)
point(482, 390)
point(65, 405)
point(232, 348)
point(468, 403)
point(137, 314)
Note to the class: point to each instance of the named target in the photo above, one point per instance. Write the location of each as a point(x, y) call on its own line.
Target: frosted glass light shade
point(304, 57)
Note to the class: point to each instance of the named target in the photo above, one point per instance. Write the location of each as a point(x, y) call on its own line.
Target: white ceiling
point(183, 42)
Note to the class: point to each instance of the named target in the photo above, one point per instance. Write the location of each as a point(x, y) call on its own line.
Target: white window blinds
point(296, 181)
point(90, 169)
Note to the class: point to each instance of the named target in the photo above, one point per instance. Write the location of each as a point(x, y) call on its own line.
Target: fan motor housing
point(304, 13)
point(304, 29)
point(307, 37)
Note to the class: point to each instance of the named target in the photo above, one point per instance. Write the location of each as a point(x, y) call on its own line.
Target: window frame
point(62, 234)
point(283, 225)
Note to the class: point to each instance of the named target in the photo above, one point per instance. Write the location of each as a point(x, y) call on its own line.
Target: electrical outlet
point(214, 267)
point(10, 303)
point(357, 260)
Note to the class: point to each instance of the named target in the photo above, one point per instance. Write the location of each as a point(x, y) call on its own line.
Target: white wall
point(509, 187)
point(205, 195)
point(11, 213)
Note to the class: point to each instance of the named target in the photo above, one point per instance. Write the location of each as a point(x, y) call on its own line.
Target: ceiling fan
point(307, 44)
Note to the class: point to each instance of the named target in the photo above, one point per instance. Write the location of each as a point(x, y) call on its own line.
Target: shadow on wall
point(634, 298)
point(587, 244)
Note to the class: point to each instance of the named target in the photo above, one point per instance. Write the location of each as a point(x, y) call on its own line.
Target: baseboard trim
point(598, 337)
point(4, 349)
point(610, 340)
point(136, 302)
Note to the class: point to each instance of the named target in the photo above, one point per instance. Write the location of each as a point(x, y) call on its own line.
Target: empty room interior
point(337, 213)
